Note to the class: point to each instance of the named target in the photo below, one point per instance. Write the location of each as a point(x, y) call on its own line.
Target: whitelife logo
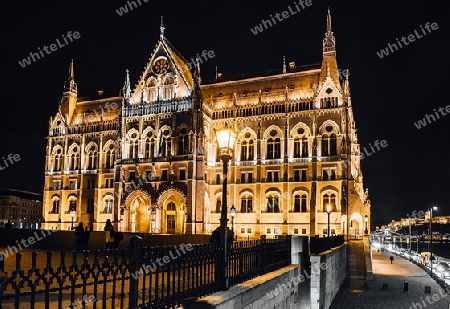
point(406, 40)
point(130, 4)
point(70, 37)
point(266, 24)
point(24, 243)
point(11, 159)
point(431, 118)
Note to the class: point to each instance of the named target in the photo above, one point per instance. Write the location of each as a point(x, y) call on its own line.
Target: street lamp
point(431, 240)
point(225, 138)
point(232, 214)
point(73, 214)
point(366, 219)
point(328, 212)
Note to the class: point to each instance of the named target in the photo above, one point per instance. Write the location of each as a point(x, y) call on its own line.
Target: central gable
point(166, 76)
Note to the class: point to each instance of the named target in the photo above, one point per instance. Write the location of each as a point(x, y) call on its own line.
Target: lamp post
point(232, 214)
point(225, 139)
point(328, 212)
point(431, 240)
point(73, 214)
point(149, 211)
point(410, 236)
point(343, 225)
point(366, 219)
point(154, 205)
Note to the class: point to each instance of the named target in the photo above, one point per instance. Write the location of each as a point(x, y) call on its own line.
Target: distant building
point(23, 209)
point(147, 159)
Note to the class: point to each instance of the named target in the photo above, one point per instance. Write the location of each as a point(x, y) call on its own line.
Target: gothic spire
point(329, 42)
point(162, 28)
point(284, 64)
point(70, 84)
point(126, 90)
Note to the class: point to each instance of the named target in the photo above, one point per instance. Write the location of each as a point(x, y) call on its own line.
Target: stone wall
point(276, 289)
point(328, 272)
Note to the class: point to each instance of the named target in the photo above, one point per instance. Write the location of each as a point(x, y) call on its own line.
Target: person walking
point(86, 236)
point(79, 237)
point(109, 235)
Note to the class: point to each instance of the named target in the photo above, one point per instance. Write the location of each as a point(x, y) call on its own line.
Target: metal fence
point(318, 245)
point(139, 277)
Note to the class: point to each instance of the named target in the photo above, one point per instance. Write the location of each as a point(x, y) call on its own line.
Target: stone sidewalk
point(371, 295)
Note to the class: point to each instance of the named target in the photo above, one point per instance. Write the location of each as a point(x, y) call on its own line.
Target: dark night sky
point(389, 95)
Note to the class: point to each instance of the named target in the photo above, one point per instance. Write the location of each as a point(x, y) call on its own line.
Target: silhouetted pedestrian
point(391, 258)
point(8, 225)
point(86, 236)
point(79, 237)
point(109, 235)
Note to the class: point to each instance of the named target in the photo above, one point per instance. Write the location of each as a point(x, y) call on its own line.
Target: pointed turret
point(126, 90)
point(69, 99)
point(329, 63)
point(161, 29)
point(329, 42)
point(70, 84)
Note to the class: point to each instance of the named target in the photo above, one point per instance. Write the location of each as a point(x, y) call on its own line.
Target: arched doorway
point(171, 217)
point(173, 212)
point(355, 226)
point(140, 215)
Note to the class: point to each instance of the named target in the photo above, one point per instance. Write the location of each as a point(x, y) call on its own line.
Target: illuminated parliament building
point(148, 158)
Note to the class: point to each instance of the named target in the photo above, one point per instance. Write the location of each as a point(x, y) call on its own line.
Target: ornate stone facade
point(148, 159)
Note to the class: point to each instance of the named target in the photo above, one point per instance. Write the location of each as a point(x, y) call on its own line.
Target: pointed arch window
point(166, 145)
point(133, 149)
point(57, 165)
point(333, 145)
point(247, 204)
point(152, 89)
point(150, 147)
point(57, 160)
point(297, 147)
point(272, 203)
point(305, 147)
point(300, 203)
point(247, 150)
point(72, 205)
point(108, 205)
point(183, 142)
point(325, 145)
point(74, 159)
point(92, 158)
point(168, 88)
point(171, 207)
point(110, 158)
point(55, 206)
point(273, 148)
point(329, 199)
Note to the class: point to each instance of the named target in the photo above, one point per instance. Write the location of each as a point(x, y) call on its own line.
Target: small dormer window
point(329, 90)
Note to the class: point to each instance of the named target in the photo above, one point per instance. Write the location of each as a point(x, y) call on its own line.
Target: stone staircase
point(356, 265)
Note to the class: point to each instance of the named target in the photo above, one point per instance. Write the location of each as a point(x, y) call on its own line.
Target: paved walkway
point(373, 296)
